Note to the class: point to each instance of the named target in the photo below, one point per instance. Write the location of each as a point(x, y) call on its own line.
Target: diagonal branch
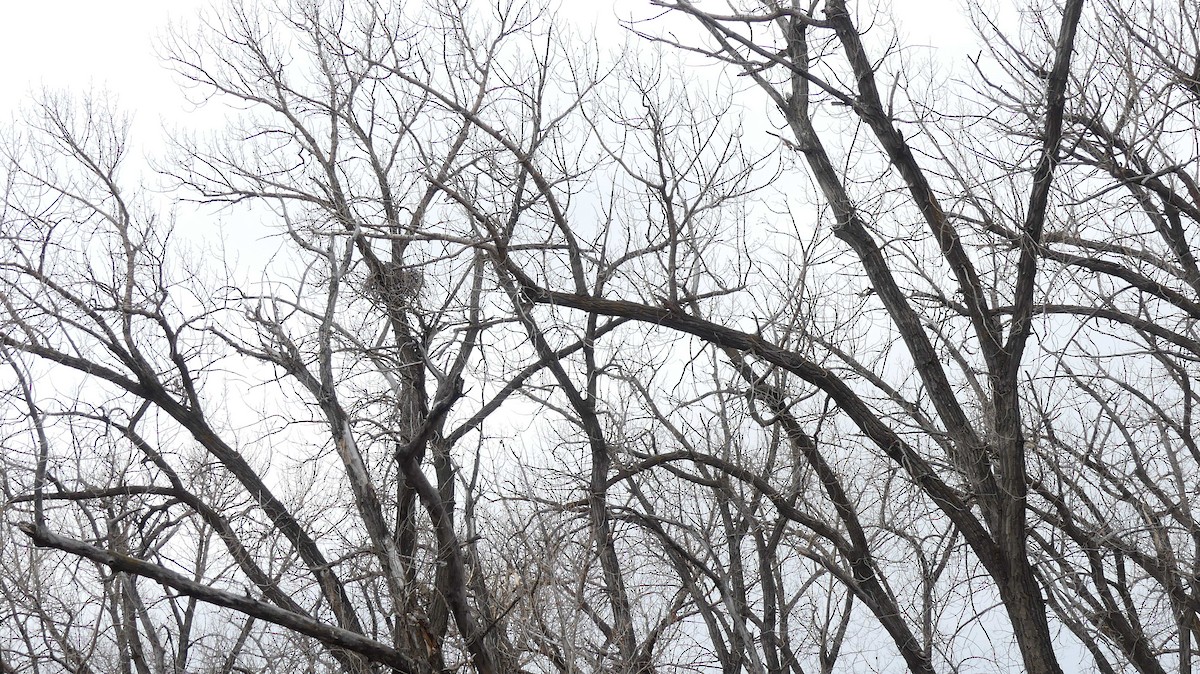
point(328, 634)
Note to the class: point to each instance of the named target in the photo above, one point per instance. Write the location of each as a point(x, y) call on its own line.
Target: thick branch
point(351, 641)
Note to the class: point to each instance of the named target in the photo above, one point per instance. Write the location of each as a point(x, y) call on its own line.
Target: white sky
point(81, 44)
point(74, 43)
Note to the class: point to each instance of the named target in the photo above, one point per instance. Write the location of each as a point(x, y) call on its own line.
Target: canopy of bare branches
point(756, 343)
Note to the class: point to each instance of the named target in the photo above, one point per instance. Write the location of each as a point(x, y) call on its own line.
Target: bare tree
point(557, 360)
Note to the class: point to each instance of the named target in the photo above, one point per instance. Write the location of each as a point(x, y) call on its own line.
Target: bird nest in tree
point(395, 284)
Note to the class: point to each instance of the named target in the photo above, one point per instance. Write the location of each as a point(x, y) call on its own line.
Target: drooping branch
point(949, 499)
point(336, 636)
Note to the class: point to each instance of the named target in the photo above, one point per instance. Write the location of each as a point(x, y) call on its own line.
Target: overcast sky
point(77, 44)
point(73, 43)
